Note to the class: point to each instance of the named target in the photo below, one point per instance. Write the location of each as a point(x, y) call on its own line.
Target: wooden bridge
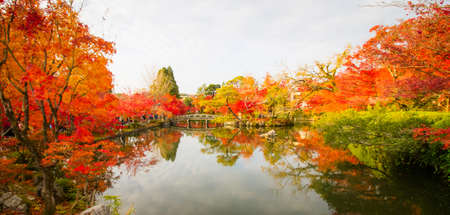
point(193, 117)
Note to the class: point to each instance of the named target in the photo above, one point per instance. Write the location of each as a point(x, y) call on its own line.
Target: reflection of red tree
point(168, 136)
point(326, 157)
point(136, 156)
point(248, 142)
point(309, 143)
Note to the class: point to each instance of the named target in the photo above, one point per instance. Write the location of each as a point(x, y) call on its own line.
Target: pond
point(232, 171)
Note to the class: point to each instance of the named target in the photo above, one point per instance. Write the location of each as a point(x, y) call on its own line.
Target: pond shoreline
point(131, 132)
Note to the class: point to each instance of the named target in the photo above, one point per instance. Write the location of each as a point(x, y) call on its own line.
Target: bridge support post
point(188, 123)
point(206, 123)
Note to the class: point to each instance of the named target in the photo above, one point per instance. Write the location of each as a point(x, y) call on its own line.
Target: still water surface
point(227, 171)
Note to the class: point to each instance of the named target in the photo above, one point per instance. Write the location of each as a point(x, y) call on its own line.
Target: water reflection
point(166, 142)
point(235, 171)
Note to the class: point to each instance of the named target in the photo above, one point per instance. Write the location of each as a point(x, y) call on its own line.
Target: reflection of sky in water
point(196, 184)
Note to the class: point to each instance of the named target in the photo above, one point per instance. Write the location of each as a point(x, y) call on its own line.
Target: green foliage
point(135, 125)
point(164, 83)
point(188, 101)
point(226, 92)
point(209, 90)
point(68, 188)
point(388, 137)
point(276, 99)
point(223, 119)
point(114, 202)
point(371, 156)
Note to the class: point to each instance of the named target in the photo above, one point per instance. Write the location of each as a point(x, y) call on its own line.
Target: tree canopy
point(164, 83)
point(208, 90)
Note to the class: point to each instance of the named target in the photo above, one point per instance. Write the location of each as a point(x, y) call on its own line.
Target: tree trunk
point(48, 191)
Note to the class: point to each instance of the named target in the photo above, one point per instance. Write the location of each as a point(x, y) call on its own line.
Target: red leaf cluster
point(433, 136)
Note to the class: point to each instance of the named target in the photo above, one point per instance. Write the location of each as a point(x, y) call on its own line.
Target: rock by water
point(271, 133)
point(97, 210)
point(12, 202)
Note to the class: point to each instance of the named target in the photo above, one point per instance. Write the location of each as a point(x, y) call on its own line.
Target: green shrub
point(391, 133)
point(114, 202)
point(68, 188)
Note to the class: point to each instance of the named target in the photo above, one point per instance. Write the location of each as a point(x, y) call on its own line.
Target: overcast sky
point(211, 41)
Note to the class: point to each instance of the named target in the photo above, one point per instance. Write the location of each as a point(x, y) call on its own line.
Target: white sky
point(212, 41)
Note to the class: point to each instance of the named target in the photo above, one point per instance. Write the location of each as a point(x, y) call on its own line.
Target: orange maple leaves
point(405, 64)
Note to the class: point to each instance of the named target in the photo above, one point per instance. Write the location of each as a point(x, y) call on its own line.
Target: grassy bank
point(383, 138)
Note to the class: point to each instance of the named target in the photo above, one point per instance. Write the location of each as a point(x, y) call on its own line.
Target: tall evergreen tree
point(164, 83)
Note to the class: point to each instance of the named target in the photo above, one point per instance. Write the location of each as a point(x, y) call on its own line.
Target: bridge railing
point(196, 117)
